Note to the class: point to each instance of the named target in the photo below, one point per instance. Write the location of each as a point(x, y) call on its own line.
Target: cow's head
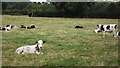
point(40, 42)
point(100, 28)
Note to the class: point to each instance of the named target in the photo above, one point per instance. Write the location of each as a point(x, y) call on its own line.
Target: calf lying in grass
point(8, 27)
point(34, 49)
point(29, 27)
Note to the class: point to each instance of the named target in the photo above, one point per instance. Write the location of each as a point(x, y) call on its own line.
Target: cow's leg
point(114, 33)
point(103, 33)
point(23, 53)
point(6, 29)
point(41, 50)
point(37, 52)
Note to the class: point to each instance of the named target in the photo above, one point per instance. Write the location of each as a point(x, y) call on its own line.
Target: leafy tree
point(4, 5)
point(113, 9)
point(64, 9)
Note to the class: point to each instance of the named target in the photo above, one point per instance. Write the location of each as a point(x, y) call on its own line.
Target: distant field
point(65, 45)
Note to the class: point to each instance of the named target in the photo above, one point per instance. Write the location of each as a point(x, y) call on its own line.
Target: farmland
point(65, 45)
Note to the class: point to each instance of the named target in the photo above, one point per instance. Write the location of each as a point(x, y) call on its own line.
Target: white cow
point(34, 49)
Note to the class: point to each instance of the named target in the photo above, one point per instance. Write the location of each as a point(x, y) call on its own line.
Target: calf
point(106, 28)
point(34, 49)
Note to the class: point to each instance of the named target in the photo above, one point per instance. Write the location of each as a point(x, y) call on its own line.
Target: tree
point(113, 9)
point(4, 6)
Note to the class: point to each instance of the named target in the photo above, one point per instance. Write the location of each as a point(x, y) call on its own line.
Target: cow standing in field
point(106, 28)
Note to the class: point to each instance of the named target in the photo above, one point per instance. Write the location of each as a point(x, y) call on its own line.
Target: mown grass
point(65, 45)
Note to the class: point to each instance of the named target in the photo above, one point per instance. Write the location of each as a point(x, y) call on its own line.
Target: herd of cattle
point(37, 48)
point(101, 28)
point(105, 28)
point(9, 27)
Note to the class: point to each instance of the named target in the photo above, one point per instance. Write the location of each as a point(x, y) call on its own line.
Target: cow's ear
point(98, 25)
point(115, 26)
point(43, 41)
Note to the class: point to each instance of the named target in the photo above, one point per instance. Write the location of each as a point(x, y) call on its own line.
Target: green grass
point(65, 45)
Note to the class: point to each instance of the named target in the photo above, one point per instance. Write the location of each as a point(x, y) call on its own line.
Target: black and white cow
point(7, 28)
point(106, 28)
point(33, 49)
point(117, 34)
point(31, 27)
point(78, 26)
point(22, 26)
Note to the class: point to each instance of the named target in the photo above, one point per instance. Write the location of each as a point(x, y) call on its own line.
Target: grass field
point(65, 45)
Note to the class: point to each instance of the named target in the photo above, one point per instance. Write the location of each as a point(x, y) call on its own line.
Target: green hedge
point(15, 12)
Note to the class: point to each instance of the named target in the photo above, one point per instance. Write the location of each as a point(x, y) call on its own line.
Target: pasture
point(65, 45)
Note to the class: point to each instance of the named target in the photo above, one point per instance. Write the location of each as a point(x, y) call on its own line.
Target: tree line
point(63, 9)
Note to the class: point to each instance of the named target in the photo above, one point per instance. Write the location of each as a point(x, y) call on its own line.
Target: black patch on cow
point(3, 28)
point(31, 27)
point(36, 42)
point(43, 41)
point(22, 26)
point(7, 25)
point(78, 26)
point(8, 30)
point(37, 48)
point(100, 31)
point(102, 28)
point(98, 26)
point(115, 26)
point(118, 33)
point(108, 27)
point(12, 26)
point(28, 27)
point(21, 51)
